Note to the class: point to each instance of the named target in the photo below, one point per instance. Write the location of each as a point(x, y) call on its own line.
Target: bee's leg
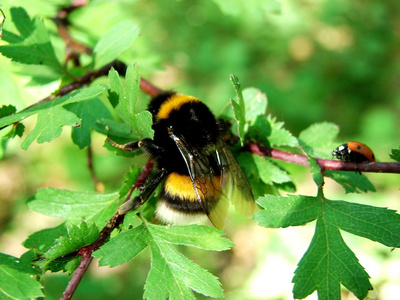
point(358, 170)
point(148, 146)
point(129, 147)
point(144, 192)
point(224, 128)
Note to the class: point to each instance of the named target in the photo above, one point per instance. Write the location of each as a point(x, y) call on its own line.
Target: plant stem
point(325, 164)
point(87, 251)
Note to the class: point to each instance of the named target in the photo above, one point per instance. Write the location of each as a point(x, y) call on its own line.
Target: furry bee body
point(201, 174)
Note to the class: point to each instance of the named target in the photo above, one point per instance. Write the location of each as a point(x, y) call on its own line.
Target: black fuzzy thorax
point(192, 121)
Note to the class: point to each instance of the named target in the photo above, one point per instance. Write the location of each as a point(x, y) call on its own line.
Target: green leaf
point(16, 279)
point(395, 154)
point(22, 22)
point(15, 284)
point(16, 130)
point(203, 237)
point(255, 103)
point(328, 263)
point(113, 43)
point(316, 171)
point(132, 87)
point(124, 107)
point(49, 125)
point(42, 240)
point(179, 274)
point(124, 247)
point(35, 48)
point(67, 263)
point(142, 125)
point(116, 131)
point(129, 180)
point(125, 100)
point(69, 204)
point(76, 96)
point(238, 107)
point(17, 264)
point(375, 223)
point(105, 214)
point(270, 133)
point(317, 139)
point(6, 110)
point(76, 238)
point(269, 172)
point(351, 182)
point(280, 136)
point(260, 130)
point(287, 211)
point(116, 90)
point(89, 112)
point(54, 244)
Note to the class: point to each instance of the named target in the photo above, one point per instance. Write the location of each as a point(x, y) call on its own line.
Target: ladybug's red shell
point(355, 152)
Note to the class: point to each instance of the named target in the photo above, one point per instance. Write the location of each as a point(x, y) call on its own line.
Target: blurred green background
point(322, 60)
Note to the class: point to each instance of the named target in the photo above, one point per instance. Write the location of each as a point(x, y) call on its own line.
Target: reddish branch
point(114, 222)
point(73, 48)
point(325, 164)
point(148, 88)
point(86, 79)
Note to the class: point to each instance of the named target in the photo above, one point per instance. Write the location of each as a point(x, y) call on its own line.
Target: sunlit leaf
point(75, 96)
point(287, 211)
point(49, 125)
point(180, 275)
point(113, 43)
point(69, 204)
point(35, 46)
point(327, 264)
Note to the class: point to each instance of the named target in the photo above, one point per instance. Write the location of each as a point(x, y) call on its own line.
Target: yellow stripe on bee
point(181, 186)
point(174, 103)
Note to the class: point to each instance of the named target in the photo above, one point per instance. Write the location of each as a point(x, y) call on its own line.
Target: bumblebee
point(199, 173)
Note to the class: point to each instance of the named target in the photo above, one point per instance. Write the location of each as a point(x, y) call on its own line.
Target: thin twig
point(73, 48)
point(87, 251)
point(78, 275)
point(325, 164)
point(149, 88)
point(86, 79)
point(97, 184)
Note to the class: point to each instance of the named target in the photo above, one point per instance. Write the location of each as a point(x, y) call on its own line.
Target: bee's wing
point(206, 183)
point(234, 183)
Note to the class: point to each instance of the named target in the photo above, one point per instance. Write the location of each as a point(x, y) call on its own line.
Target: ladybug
point(354, 152)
